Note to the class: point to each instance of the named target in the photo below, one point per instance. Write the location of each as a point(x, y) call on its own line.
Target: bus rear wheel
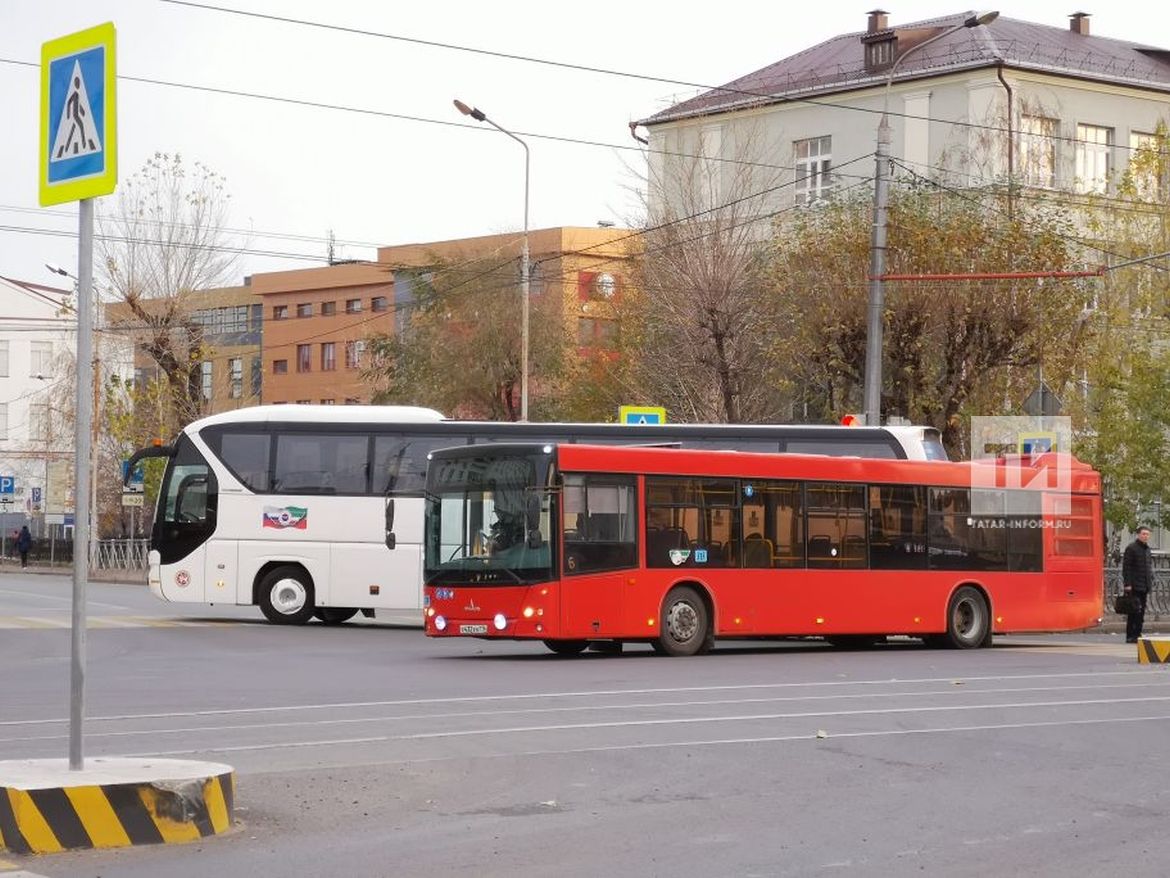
point(968, 620)
point(567, 647)
point(685, 624)
point(335, 615)
point(286, 596)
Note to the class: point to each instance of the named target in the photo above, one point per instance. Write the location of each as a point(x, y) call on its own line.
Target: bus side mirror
point(532, 521)
point(391, 540)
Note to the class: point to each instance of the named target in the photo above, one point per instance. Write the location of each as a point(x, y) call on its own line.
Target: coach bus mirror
point(532, 521)
point(391, 540)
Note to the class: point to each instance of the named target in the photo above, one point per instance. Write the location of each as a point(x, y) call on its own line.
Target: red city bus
point(570, 544)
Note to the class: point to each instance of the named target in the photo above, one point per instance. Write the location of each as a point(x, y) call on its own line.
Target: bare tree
point(694, 330)
point(165, 239)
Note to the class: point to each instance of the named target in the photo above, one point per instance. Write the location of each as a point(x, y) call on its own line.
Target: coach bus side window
point(246, 455)
point(400, 462)
point(967, 531)
point(600, 523)
point(315, 463)
point(897, 527)
point(692, 523)
point(836, 525)
point(773, 524)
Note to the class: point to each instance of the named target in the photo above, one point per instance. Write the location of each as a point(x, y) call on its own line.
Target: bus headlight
point(440, 623)
point(500, 622)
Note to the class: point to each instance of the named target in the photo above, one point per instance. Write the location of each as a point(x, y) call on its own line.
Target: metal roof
point(838, 64)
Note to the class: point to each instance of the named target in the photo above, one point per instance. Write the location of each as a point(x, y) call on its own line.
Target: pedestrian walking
point(1137, 575)
point(23, 544)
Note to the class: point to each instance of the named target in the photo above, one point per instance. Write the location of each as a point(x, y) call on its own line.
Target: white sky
point(302, 171)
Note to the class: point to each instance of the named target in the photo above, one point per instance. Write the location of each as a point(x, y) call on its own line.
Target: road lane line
point(645, 705)
point(530, 696)
point(810, 736)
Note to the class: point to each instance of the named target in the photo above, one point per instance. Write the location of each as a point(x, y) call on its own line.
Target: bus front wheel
point(968, 620)
point(686, 624)
point(286, 596)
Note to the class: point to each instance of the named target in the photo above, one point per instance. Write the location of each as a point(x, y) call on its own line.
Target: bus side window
point(600, 524)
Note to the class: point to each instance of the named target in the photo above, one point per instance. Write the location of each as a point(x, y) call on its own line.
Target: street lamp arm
point(480, 116)
point(976, 20)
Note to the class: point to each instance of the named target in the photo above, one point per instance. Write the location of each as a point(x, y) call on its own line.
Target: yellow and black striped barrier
point(1153, 650)
point(49, 819)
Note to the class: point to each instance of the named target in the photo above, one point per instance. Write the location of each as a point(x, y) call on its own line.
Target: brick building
point(316, 321)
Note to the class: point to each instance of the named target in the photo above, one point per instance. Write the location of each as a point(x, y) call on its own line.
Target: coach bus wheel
point(567, 647)
point(286, 596)
point(335, 615)
point(968, 619)
point(686, 629)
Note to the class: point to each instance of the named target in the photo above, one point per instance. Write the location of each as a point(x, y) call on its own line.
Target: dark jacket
point(1137, 568)
point(24, 541)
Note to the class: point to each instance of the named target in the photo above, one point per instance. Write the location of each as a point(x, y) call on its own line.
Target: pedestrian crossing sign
point(641, 414)
point(78, 155)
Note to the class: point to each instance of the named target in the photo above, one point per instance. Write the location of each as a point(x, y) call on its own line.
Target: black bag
point(1126, 604)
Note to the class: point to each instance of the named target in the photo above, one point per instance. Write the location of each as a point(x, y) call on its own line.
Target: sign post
point(78, 162)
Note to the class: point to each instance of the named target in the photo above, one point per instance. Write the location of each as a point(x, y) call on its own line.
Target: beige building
point(1047, 105)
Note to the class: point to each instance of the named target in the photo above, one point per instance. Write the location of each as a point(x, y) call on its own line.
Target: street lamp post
point(479, 116)
point(877, 245)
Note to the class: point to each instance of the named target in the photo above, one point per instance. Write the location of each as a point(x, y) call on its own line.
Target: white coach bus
point(284, 506)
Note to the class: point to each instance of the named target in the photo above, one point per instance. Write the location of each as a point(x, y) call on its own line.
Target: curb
point(1153, 650)
point(46, 808)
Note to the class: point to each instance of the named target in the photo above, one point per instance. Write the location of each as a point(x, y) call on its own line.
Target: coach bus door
point(185, 522)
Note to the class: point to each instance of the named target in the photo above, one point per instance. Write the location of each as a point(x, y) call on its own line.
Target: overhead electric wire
point(604, 71)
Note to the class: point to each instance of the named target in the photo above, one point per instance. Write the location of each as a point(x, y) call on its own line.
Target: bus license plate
point(473, 629)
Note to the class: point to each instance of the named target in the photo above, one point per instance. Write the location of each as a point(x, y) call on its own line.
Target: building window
point(1094, 146)
point(38, 422)
point(328, 309)
point(304, 358)
point(280, 312)
point(3, 359)
point(328, 402)
point(813, 159)
point(594, 332)
point(352, 400)
point(353, 306)
point(353, 354)
point(378, 303)
point(258, 376)
point(305, 309)
point(328, 356)
point(205, 378)
point(280, 367)
point(3, 420)
point(1147, 161)
point(304, 402)
point(42, 359)
point(236, 365)
point(1038, 150)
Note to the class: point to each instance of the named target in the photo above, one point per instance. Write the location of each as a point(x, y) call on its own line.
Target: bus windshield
point(488, 520)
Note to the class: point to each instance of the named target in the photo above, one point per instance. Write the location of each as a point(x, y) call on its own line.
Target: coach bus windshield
point(488, 519)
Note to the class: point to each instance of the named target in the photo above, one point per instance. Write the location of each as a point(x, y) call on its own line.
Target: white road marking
point(810, 737)
point(645, 705)
point(530, 696)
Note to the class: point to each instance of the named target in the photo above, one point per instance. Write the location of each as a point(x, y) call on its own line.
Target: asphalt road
point(369, 750)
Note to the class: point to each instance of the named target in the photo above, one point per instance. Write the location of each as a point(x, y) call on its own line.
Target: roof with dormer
point(838, 64)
